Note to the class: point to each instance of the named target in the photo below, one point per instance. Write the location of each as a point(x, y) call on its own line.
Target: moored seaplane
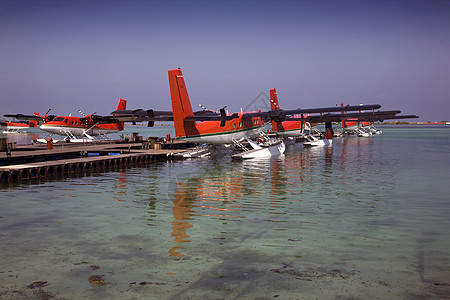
point(24, 122)
point(359, 128)
point(16, 126)
point(217, 131)
point(242, 126)
point(29, 121)
point(296, 128)
point(76, 129)
point(299, 124)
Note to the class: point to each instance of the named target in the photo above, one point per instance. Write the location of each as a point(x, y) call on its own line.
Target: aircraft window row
point(248, 123)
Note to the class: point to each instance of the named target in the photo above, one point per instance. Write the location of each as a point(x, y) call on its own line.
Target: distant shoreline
point(377, 123)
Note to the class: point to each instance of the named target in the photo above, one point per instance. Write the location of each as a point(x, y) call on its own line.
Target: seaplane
point(301, 121)
point(216, 132)
point(16, 126)
point(213, 129)
point(299, 124)
point(24, 122)
point(298, 128)
point(35, 119)
point(82, 129)
point(75, 129)
point(240, 126)
point(359, 128)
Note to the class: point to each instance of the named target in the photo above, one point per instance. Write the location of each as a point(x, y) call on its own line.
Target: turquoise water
point(366, 218)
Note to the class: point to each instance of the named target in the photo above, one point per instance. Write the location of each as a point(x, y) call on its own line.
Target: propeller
point(277, 115)
point(223, 114)
point(204, 108)
point(151, 115)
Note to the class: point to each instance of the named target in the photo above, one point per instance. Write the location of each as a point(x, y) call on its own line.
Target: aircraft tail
point(274, 99)
point(328, 134)
point(181, 105)
point(276, 126)
point(344, 125)
point(122, 105)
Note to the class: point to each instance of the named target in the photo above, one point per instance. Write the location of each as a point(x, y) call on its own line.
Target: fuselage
point(210, 132)
point(285, 128)
point(352, 125)
point(78, 127)
point(18, 124)
point(288, 129)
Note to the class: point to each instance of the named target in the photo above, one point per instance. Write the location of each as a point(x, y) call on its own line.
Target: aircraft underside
point(290, 133)
point(77, 132)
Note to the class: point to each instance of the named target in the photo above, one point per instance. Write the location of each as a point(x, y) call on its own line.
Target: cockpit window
point(65, 120)
point(58, 119)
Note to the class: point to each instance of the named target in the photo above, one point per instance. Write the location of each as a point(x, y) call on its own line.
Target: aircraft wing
point(151, 116)
point(331, 109)
point(363, 116)
point(392, 118)
point(30, 117)
point(280, 115)
point(140, 115)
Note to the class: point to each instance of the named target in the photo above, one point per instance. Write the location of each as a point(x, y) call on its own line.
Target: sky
point(85, 55)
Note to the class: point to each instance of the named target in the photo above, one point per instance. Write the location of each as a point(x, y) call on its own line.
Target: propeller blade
point(151, 115)
point(223, 114)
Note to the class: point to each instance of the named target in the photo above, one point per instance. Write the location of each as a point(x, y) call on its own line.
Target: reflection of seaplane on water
point(76, 129)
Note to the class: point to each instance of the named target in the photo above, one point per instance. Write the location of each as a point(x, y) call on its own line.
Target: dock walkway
point(34, 162)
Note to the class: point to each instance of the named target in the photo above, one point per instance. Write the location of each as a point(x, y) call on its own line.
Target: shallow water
point(366, 218)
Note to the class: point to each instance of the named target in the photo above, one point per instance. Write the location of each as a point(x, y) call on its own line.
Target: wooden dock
point(34, 162)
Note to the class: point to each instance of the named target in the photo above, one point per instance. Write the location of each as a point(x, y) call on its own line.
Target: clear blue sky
point(70, 55)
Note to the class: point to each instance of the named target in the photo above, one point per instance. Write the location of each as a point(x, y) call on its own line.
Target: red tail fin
point(328, 134)
point(343, 121)
point(122, 105)
point(276, 126)
point(274, 99)
point(181, 105)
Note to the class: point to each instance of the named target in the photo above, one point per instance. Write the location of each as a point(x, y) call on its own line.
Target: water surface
point(366, 218)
